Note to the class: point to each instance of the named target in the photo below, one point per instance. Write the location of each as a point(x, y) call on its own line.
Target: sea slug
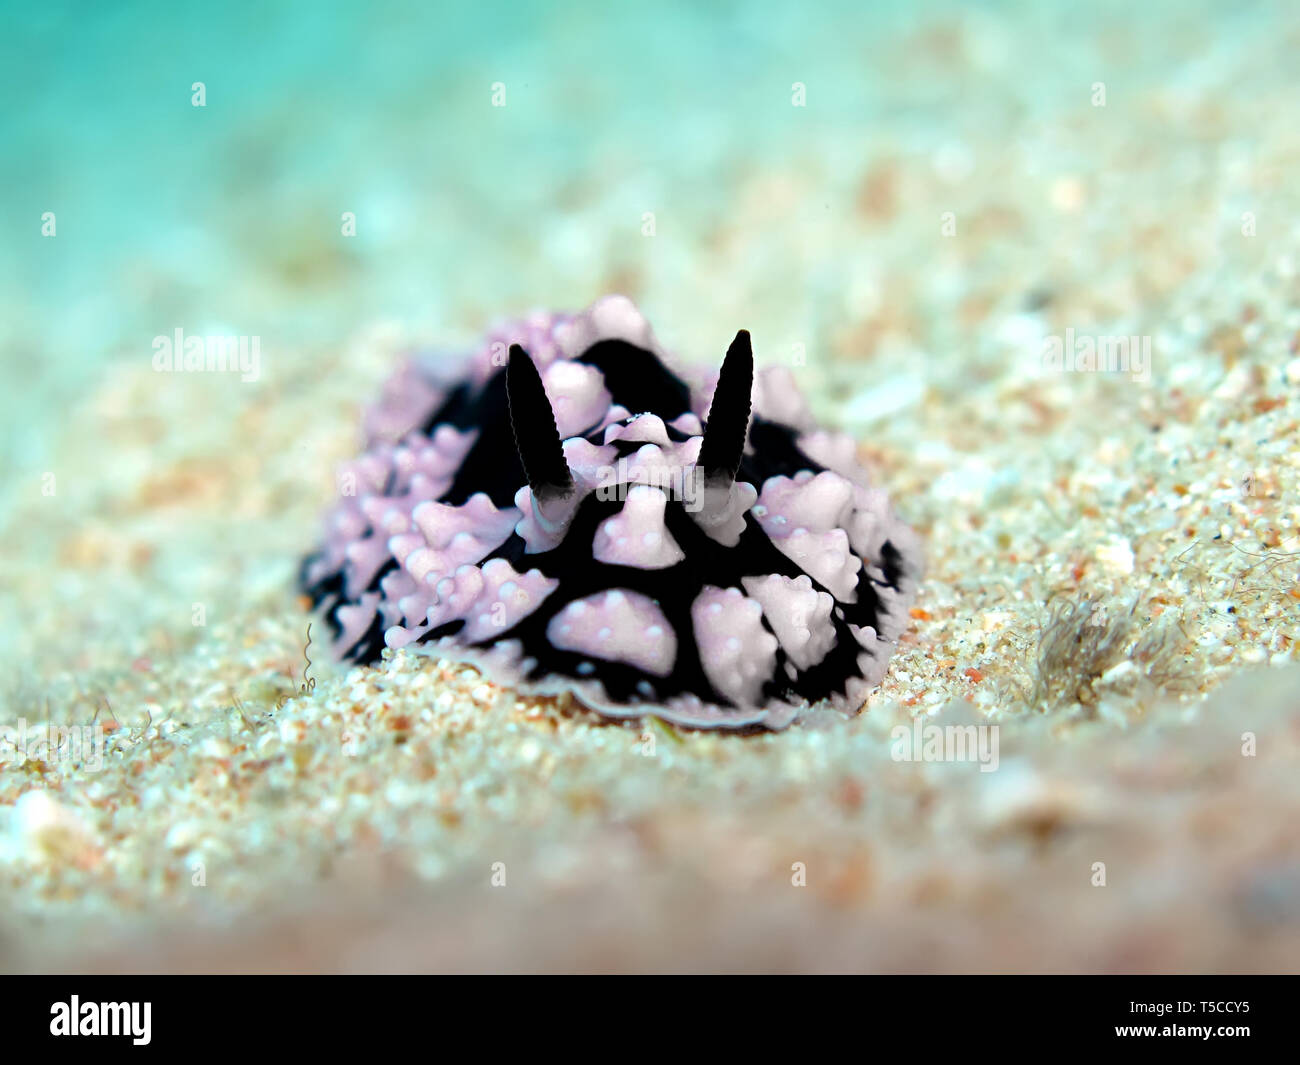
point(572, 511)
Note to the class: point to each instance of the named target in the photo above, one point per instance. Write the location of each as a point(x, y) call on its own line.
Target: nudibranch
point(570, 510)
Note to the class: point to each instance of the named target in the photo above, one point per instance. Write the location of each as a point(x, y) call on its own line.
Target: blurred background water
point(227, 217)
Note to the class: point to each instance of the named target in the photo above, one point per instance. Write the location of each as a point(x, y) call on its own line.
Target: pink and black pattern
point(571, 513)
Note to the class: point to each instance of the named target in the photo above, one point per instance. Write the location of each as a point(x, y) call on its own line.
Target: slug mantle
point(570, 511)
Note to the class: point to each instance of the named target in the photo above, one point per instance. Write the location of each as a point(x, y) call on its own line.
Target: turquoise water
point(229, 215)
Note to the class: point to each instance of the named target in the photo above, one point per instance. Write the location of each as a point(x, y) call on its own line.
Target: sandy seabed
point(1112, 577)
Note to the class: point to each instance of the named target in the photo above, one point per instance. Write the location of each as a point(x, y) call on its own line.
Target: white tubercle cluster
point(803, 515)
point(450, 536)
point(617, 626)
point(799, 614)
point(777, 398)
point(589, 464)
point(871, 521)
point(688, 423)
point(577, 394)
point(659, 461)
point(407, 398)
point(359, 479)
point(425, 464)
point(737, 653)
point(537, 333)
point(724, 519)
point(649, 428)
point(490, 599)
point(673, 466)
point(836, 451)
point(818, 501)
point(409, 473)
point(637, 535)
point(609, 318)
point(666, 466)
